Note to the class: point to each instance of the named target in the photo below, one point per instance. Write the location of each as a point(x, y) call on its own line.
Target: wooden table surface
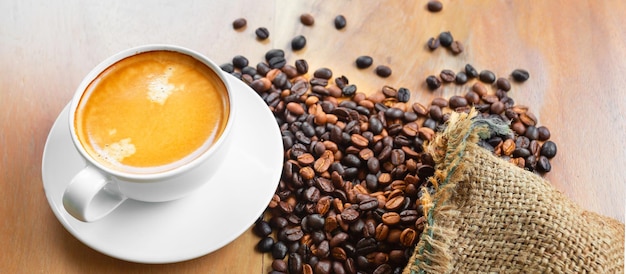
point(575, 52)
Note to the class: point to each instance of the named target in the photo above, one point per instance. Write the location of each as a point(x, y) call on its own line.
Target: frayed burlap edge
point(602, 237)
point(432, 254)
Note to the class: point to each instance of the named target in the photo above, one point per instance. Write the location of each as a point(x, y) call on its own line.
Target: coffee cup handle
point(91, 195)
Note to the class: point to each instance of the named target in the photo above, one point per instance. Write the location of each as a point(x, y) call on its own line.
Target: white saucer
point(186, 228)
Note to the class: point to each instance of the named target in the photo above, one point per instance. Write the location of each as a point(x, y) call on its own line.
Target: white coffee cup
point(100, 187)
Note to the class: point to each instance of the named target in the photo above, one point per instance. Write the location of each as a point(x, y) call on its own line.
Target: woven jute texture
point(489, 216)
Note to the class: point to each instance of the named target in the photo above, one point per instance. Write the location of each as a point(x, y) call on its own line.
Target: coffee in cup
point(152, 124)
point(151, 112)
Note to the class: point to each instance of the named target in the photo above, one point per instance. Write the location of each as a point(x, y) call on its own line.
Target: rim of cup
point(98, 69)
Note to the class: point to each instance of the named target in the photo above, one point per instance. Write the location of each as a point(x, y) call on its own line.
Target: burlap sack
point(489, 216)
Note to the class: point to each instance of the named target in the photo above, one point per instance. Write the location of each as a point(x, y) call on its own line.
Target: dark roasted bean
point(262, 33)
point(323, 73)
point(487, 76)
point(445, 39)
point(434, 6)
point(340, 22)
point(364, 61)
point(302, 66)
point(298, 42)
point(520, 75)
point(460, 78)
point(471, 71)
point(548, 149)
point(239, 23)
point(265, 244)
point(433, 82)
point(433, 43)
point(503, 84)
point(383, 71)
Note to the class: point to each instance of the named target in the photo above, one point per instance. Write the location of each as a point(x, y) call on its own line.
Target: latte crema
point(152, 112)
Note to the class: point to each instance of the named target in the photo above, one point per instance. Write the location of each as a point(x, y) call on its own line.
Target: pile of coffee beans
point(349, 196)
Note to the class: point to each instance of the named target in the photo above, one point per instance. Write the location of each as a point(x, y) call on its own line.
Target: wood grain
point(574, 51)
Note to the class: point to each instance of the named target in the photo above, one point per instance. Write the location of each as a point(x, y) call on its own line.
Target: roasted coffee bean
point(434, 6)
point(447, 75)
point(262, 33)
point(274, 53)
point(548, 149)
point(240, 61)
point(350, 215)
point(471, 71)
point(487, 76)
point(340, 22)
point(265, 245)
point(364, 61)
point(277, 62)
point(445, 39)
point(432, 43)
point(503, 84)
point(543, 164)
point(262, 228)
point(279, 250)
point(279, 265)
point(229, 68)
point(239, 23)
point(383, 71)
point(307, 19)
point(298, 42)
point(433, 82)
point(520, 75)
point(293, 233)
point(457, 101)
point(383, 269)
point(302, 66)
point(323, 73)
point(460, 78)
point(403, 95)
point(543, 133)
point(348, 90)
point(457, 47)
point(531, 133)
point(294, 263)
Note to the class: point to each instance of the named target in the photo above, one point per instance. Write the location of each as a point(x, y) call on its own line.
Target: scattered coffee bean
point(447, 75)
point(403, 95)
point(298, 42)
point(307, 19)
point(302, 66)
point(323, 73)
point(433, 43)
point(340, 22)
point(277, 62)
point(548, 149)
point(543, 133)
point(274, 53)
point(262, 33)
point(364, 62)
point(503, 84)
point(471, 71)
point(229, 68)
point(239, 23)
point(240, 61)
point(445, 39)
point(457, 47)
point(348, 197)
point(520, 75)
point(460, 78)
point(434, 6)
point(433, 82)
point(487, 76)
point(383, 71)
